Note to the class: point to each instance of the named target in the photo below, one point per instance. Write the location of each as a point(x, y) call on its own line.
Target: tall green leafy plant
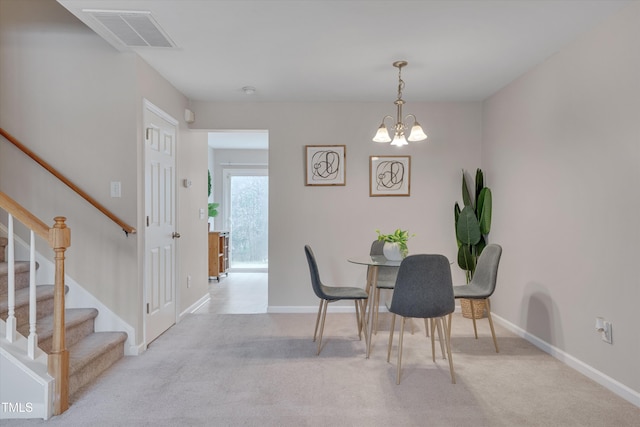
point(473, 223)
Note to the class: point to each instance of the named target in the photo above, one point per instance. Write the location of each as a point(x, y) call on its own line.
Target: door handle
point(175, 235)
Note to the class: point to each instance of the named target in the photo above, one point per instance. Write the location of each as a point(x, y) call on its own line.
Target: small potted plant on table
point(395, 247)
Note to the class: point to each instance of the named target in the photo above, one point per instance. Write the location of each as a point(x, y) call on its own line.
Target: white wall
point(77, 103)
point(561, 147)
point(339, 222)
point(70, 98)
point(560, 150)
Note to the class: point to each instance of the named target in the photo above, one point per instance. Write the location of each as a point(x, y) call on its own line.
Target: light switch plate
point(115, 189)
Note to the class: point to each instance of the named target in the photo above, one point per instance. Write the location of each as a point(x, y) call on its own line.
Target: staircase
point(90, 353)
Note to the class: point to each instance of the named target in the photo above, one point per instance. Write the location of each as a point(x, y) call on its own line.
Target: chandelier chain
point(400, 83)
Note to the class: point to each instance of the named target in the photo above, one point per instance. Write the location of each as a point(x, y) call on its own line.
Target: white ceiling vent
point(131, 28)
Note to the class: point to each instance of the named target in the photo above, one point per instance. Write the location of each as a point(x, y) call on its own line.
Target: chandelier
point(416, 134)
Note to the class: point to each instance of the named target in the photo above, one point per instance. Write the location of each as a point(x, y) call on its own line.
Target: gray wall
point(559, 146)
point(562, 148)
point(339, 222)
point(77, 103)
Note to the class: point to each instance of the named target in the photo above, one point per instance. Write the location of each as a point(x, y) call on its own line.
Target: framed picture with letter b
point(389, 176)
point(325, 164)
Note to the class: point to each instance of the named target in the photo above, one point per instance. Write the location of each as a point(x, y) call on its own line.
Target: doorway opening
point(239, 167)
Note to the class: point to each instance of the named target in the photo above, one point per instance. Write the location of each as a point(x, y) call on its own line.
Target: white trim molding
point(590, 372)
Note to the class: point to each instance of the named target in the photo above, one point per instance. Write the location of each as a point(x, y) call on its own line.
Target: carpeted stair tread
point(20, 267)
point(3, 244)
point(44, 300)
point(92, 347)
point(21, 276)
point(72, 317)
point(91, 356)
point(22, 297)
point(79, 322)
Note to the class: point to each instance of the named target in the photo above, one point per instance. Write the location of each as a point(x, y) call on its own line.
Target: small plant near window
point(212, 207)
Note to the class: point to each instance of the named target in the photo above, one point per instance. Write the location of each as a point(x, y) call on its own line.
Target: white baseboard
point(330, 309)
point(303, 309)
point(195, 306)
point(604, 380)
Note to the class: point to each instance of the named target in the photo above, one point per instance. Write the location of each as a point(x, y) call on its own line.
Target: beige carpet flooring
point(216, 369)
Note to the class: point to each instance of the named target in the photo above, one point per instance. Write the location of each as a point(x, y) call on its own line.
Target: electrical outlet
point(604, 327)
point(606, 333)
point(188, 281)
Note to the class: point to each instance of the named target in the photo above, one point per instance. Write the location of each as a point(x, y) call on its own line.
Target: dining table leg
point(372, 283)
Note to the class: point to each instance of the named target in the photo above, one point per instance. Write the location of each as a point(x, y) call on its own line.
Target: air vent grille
point(132, 28)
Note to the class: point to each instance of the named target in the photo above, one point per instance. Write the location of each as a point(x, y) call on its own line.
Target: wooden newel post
point(60, 240)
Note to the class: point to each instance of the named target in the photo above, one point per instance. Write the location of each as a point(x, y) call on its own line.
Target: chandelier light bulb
point(417, 134)
point(382, 135)
point(399, 140)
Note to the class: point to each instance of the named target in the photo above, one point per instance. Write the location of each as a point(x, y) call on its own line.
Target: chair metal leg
point(433, 338)
point(440, 337)
point(473, 317)
point(493, 332)
point(358, 319)
point(392, 327)
point(426, 327)
point(315, 332)
point(324, 315)
point(448, 340)
point(400, 350)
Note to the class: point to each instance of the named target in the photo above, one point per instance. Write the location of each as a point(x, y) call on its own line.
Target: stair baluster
point(32, 343)
point(11, 290)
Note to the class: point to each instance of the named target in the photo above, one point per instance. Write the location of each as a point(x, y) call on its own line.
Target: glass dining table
point(373, 263)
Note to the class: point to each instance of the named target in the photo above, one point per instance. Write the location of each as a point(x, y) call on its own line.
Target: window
point(246, 209)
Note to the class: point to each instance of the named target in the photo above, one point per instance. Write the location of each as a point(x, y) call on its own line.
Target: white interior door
point(161, 233)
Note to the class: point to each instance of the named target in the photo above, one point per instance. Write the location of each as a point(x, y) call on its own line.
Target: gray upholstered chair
point(386, 279)
point(423, 290)
point(483, 284)
point(329, 294)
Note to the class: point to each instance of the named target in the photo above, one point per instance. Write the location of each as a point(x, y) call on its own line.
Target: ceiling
point(239, 140)
point(342, 50)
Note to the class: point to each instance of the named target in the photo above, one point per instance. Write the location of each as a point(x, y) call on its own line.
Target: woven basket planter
point(479, 307)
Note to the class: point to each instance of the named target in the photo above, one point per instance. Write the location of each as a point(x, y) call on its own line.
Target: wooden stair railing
point(125, 227)
point(59, 238)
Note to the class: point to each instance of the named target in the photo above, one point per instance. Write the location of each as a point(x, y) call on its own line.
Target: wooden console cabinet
point(218, 253)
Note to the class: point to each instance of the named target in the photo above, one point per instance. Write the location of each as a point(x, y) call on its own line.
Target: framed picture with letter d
point(389, 176)
point(325, 164)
